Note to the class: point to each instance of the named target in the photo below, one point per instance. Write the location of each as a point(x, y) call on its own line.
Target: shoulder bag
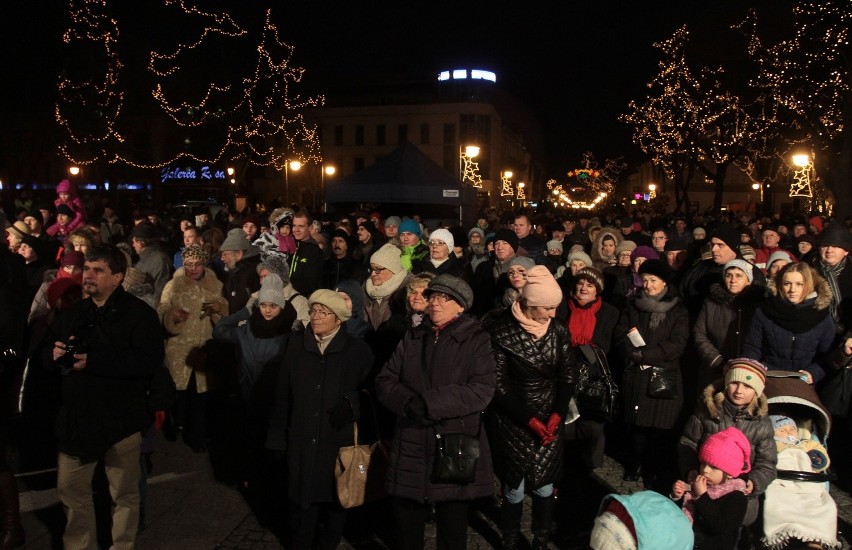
point(360, 470)
point(456, 456)
point(662, 383)
point(597, 392)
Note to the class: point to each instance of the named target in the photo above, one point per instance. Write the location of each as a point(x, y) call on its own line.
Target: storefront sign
point(171, 174)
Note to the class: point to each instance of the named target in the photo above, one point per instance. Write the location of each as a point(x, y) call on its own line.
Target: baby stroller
point(798, 511)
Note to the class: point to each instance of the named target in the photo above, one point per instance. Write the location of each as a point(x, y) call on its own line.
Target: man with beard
point(107, 347)
point(340, 265)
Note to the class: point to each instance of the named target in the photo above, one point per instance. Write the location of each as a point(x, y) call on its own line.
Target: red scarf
point(582, 322)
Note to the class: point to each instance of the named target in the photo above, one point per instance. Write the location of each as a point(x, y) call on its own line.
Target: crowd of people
point(301, 327)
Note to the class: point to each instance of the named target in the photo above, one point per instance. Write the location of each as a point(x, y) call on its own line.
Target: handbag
point(360, 472)
point(456, 456)
point(836, 394)
point(663, 383)
point(597, 392)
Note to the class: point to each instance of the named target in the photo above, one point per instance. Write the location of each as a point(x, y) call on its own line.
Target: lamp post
point(295, 166)
point(329, 171)
point(467, 168)
point(652, 191)
point(802, 185)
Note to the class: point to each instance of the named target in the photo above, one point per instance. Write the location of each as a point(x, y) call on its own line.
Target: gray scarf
point(831, 274)
point(655, 306)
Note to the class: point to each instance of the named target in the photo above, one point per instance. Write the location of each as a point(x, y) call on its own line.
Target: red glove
point(159, 419)
point(538, 427)
point(553, 424)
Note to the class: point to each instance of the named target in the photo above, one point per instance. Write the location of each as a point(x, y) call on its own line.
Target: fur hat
point(553, 244)
point(742, 265)
point(272, 291)
point(582, 256)
point(454, 287)
point(592, 275)
point(835, 234)
point(750, 372)
point(727, 450)
point(443, 235)
point(522, 261)
point(277, 264)
point(388, 257)
point(236, 240)
point(410, 226)
point(333, 301)
point(195, 251)
point(728, 235)
point(541, 288)
point(509, 236)
point(658, 268)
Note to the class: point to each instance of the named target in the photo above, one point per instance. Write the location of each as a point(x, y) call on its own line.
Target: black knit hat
point(657, 268)
point(835, 234)
point(728, 235)
point(508, 236)
point(65, 209)
point(674, 245)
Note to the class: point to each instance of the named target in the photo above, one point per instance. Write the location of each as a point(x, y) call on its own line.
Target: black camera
point(72, 347)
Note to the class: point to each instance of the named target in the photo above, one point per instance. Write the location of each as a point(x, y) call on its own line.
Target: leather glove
point(416, 410)
point(538, 427)
point(636, 356)
point(553, 424)
point(341, 414)
point(159, 419)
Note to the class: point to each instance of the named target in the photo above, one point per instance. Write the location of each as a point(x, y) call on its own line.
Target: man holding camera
point(108, 347)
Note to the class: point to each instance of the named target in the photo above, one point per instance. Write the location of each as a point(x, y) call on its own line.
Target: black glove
point(415, 410)
point(341, 414)
point(636, 356)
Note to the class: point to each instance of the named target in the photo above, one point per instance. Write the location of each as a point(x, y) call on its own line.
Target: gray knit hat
point(522, 261)
point(743, 266)
point(393, 220)
point(388, 257)
point(236, 240)
point(553, 244)
point(277, 264)
point(453, 287)
point(272, 291)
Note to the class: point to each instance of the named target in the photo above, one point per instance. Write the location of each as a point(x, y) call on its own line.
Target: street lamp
point(506, 184)
point(74, 170)
point(652, 191)
point(295, 166)
point(801, 160)
point(468, 170)
point(326, 171)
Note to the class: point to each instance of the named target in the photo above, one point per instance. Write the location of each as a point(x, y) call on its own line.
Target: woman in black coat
point(439, 380)
point(316, 401)
point(661, 319)
point(536, 373)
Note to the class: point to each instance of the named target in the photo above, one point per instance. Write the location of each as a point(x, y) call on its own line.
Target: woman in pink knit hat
point(536, 375)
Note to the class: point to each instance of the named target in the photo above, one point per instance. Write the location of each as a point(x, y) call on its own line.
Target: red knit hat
point(728, 450)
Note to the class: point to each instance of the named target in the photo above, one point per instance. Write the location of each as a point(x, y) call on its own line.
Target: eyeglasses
point(319, 312)
point(437, 243)
point(193, 265)
point(377, 270)
point(517, 273)
point(438, 298)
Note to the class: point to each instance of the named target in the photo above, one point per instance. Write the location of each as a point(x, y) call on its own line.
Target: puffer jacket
point(721, 327)
point(534, 379)
point(457, 384)
point(710, 417)
point(808, 335)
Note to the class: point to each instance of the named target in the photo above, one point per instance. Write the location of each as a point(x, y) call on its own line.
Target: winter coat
point(808, 335)
point(185, 347)
point(710, 417)
point(75, 204)
point(534, 379)
point(241, 282)
point(413, 254)
point(721, 327)
point(844, 283)
point(307, 267)
point(453, 266)
point(457, 384)
point(664, 348)
point(157, 268)
point(107, 400)
point(697, 280)
point(309, 384)
point(605, 322)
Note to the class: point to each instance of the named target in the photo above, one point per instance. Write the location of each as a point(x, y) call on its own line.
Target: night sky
point(575, 63)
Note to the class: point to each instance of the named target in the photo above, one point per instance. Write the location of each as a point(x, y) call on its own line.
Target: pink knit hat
point(728, 450)
point(541, 288)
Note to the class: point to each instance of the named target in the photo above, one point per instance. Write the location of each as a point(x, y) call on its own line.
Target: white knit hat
point(272, 291)
point(388, 257)
point(443, 235)
point(609, 533)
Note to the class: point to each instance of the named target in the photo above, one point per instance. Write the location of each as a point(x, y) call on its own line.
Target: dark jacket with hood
point(534, 379)
point(457, 383)
point(712, 416)
point(242, 281)
point(721, 327)
point(793, 337)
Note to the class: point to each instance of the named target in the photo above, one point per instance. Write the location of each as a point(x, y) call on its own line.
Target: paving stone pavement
point(190, 508)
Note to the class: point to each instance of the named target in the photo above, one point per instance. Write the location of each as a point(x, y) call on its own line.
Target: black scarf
point(655, 306)
point(283, 323)
point(797, 318)
point(831, 274)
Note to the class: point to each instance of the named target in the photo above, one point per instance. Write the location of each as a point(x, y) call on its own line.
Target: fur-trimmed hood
point(821, 287)
point(596, 246)
point(182, 283)
point(714, 397)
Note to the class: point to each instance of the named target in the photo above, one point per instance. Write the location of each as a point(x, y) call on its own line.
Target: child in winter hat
point(716, 502)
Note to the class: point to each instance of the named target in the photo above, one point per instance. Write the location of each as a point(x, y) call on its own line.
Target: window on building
point(338, 135)
point(424, 134)
point(451, 149)
point(358, 163)
point(380, 134)
point(359, 134)
point(403, 133)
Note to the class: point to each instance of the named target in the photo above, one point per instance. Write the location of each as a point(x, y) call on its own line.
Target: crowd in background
point(297, 326)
